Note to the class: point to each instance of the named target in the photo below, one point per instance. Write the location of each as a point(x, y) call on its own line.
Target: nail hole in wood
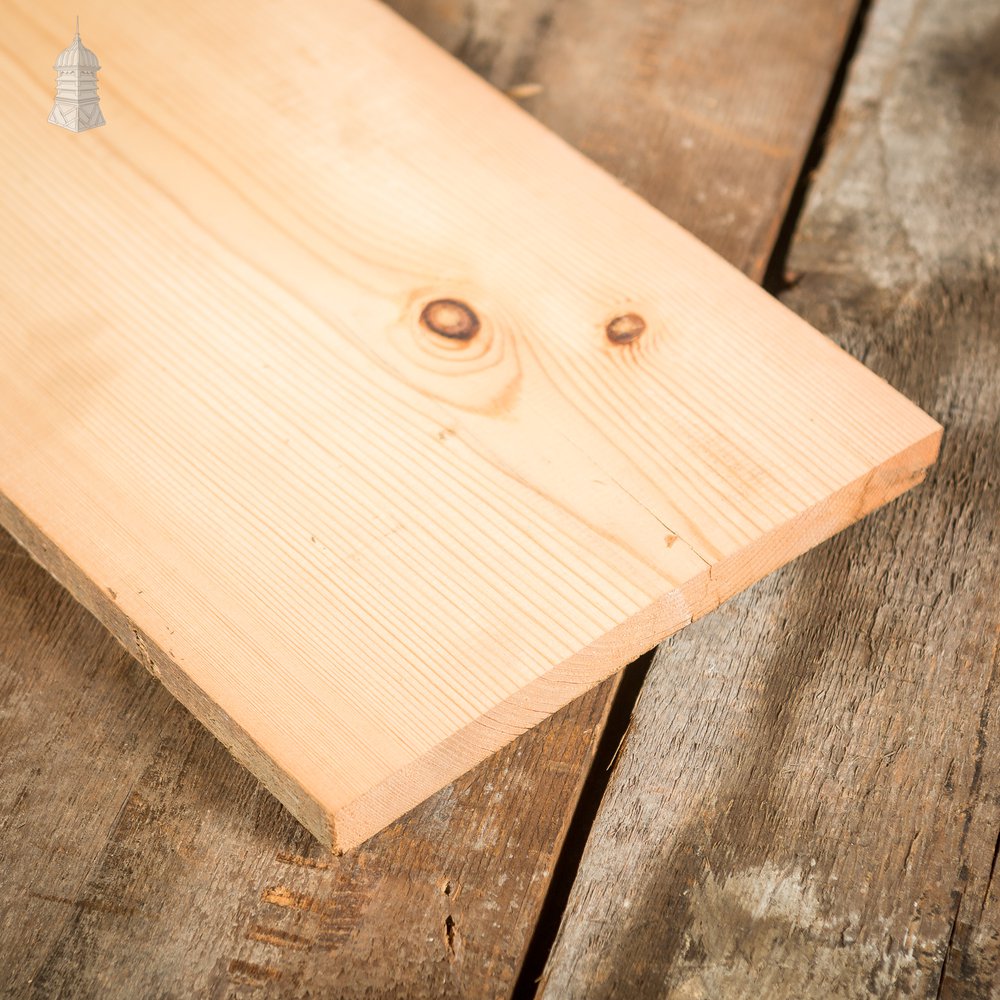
point(450, 318)
point(625, 328)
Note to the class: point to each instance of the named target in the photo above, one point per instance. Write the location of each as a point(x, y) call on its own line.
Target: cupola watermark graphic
point(77, 105)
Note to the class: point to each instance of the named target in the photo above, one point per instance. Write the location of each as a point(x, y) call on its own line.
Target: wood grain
point(806, 804)
point(359, 471)
point(106, 823)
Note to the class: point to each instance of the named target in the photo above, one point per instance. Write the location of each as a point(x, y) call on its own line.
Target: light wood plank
point(806, 804)
point(366, 535)
point(145, 842)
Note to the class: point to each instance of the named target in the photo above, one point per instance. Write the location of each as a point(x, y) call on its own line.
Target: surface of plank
point(378, 472)
point(806, 802)
point(105, 823)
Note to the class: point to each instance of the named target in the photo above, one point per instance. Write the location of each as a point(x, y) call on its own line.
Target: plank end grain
point(379, 436)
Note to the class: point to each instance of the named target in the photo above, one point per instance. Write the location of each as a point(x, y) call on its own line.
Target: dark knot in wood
point(450, 318)
point(625, 328)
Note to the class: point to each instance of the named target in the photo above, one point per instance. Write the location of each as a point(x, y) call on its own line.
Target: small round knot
point(625, 328)
point(450, 318)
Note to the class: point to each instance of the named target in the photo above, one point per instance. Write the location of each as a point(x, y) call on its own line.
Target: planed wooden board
point(805, 805)
point(366, 538)
point(163, 823)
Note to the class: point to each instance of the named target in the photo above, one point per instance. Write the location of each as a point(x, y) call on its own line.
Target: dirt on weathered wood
point(806, 804)
point(136, 856)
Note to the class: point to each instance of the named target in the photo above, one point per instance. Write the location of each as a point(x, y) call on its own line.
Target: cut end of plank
point(379, 434)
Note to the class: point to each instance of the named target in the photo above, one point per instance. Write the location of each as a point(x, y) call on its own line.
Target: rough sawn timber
point(138, 811)
point(806, 803)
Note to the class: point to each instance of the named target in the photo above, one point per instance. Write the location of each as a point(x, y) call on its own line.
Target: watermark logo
point(77, 105)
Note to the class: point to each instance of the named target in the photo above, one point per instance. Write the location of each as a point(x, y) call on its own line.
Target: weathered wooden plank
point(806, 802)
point(117, 878)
